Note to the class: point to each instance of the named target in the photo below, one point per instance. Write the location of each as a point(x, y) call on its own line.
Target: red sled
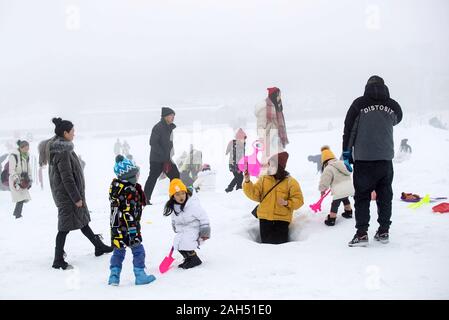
point(441, 208)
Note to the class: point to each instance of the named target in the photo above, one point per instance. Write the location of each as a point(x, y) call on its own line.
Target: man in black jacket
point(368, 132)
point(161, 142)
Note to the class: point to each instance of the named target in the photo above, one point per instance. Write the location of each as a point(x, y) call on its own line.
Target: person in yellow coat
point(276, 207)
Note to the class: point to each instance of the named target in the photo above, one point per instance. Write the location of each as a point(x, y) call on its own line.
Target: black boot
point(100, 247)
point(184, 255)
point(228, 189)
point(330, 221)
point(58, 262)
point(191, 261)
point(347, 214)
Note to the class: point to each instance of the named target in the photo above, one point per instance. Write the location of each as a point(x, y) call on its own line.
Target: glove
point(166, 167)
point(347, 159)
point(134, 241)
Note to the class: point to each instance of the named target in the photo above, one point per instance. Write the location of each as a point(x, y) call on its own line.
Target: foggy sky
point(136, 53)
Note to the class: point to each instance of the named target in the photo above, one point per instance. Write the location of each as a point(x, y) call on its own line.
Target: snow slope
point(316, 264)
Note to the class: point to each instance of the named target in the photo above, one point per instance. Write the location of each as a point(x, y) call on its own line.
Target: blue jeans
point(138, 257)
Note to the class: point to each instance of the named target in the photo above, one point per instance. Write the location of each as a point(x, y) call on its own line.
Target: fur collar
point(60, 145)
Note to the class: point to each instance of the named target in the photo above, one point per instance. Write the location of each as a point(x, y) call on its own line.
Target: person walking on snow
point(68, 189)
point(20, 176)
point(336, 176)
point(271, 128)
point(368, 144)
point(189, 221)
point(236, 151)
point(127, 201)
point(278, 195)
point(161, 142)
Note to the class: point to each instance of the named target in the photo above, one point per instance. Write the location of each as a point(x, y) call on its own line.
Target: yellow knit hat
point(176, 185)
point(326, 154)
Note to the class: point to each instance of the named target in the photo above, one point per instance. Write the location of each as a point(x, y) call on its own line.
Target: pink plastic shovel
point(166, 263)
point(251, 163)
point(317, 206)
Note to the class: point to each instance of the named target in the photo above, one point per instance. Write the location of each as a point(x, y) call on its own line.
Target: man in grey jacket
point(368, 143)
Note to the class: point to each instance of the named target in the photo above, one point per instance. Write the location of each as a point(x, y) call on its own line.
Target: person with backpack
point(4, 186)
point(68, 189)
point(17, 173)
point(236, 151)
point(278, 195)
point(368, 144)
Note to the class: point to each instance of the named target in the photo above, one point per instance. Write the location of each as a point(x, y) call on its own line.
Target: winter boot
point(58, 262)
point(100, 247)
point(142, 277)
point(184, 255)
point(191, 261)
point(228, 189)
point(347, 214)
point(330, 221)
point(114, 278)
point(382, 236)
point(360, 240)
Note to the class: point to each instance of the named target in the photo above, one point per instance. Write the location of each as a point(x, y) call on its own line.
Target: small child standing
point(336, 176)
point(127, 201)
point(189, 221)
point(206, 179)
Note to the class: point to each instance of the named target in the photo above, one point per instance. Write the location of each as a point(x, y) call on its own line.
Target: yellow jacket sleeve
point(296, 199)
point(254, 190)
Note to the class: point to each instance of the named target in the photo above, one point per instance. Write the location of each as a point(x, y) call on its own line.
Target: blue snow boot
point(114, 278)
point(142, 277)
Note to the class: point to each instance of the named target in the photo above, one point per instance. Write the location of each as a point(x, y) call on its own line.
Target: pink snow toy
point(166, 263)
point(317, 206)
point(251, 162)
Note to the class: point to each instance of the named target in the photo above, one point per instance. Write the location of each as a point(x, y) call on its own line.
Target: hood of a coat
point(60, 145)
point(340, 166)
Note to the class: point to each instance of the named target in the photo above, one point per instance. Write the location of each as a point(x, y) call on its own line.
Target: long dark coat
point(67, 185)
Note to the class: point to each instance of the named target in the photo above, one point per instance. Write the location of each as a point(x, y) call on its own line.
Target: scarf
point(275, 115)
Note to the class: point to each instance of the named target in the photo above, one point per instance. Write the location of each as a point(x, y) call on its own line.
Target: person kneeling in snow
point(337, 177)
point(205, 180)
point(127, 200)
point(279, 195)
point(189, 221)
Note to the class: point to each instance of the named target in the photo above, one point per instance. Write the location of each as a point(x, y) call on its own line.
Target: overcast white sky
point(115, 53)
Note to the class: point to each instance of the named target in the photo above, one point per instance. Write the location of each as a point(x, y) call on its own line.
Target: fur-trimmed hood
point(59, 145)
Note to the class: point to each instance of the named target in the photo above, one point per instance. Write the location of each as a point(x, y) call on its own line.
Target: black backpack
point(5, 172)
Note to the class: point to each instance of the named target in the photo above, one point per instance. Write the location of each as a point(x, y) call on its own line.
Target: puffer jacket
point(190, 224)
point(67, 185)
point(269, 209)
point(338, 178)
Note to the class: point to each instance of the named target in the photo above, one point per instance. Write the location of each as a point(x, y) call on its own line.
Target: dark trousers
point(336, 203)
point(274, 232)
point(62, 235)
point(156, 169)
point(369, 176)
point(138, 257)
point(18, 209)
point(237, 181)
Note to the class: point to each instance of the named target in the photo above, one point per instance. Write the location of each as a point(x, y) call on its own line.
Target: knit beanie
point(126, 169)
point(326, 154)
point(166, 111)
point(61, 126)
point(176, 185)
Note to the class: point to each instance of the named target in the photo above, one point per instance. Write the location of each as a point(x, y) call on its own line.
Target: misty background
point(112, 64)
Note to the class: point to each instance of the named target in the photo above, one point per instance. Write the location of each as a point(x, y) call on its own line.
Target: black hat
point(166, 111)
point(375, 79)
point(61, 126)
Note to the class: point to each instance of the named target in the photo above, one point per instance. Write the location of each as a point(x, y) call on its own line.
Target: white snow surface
point(316, 264)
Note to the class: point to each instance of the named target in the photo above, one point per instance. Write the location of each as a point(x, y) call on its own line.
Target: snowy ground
point(316, 264)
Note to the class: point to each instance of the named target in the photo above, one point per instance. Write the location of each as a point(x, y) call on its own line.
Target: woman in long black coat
point(68, 190)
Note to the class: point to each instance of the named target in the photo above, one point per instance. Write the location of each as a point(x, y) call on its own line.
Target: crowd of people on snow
point(365, 166)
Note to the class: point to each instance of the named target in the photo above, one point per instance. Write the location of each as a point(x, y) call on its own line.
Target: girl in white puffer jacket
point(336, 177)
point(189, 221)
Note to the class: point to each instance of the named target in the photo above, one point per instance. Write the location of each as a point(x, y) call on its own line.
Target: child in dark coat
point(127, 201)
